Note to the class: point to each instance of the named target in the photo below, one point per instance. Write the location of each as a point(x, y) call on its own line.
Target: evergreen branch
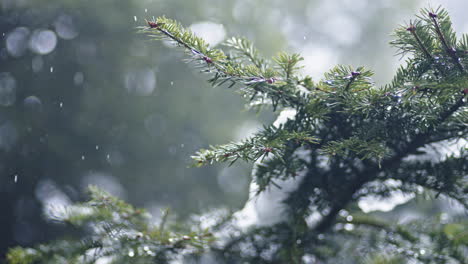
point(463, 43)
point(412, 29)
point(447, 177)
point(414, 38)
point(370, 173)
point(345, 79)
point(426, 38)
point(271, 140)
point(185, 38)
point(117, 230)
point(278, 168)
point(288, 63)
point(438, 240)
point(352, 78)
point(448, 49)
point(454, 108)
point(259, 82)
point(411, 72)
point(364, 149)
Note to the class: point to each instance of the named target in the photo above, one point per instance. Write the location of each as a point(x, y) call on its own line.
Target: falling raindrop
point(108, 157)
point(146, 10)
point(305, 37)
point(97, 147)
point(16, 178)
point(172, 83)
point(51, 69)
point(61, 104)
point(82, 157)
point(135, 18)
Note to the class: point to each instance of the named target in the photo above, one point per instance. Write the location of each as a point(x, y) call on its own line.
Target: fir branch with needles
point(260, 83)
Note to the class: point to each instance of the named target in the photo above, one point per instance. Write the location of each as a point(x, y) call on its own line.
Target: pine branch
point(413, 30)
point(364, 149)
point(270, 141)
point(370, 173)
point(115, 229)
point(445, 21)
point(288, 64)
point(445, 177)
point(259, 82)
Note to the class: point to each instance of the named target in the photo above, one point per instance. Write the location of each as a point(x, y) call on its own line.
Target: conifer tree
point(346, 141)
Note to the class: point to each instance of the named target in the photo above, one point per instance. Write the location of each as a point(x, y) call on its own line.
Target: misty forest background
point(84, 100)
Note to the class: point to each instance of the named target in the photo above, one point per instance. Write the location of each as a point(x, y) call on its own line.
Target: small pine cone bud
point(268, 149)
point(208, 60)
point(271, 80)
point(432, 15)
point(153, 24)
point(465, 91)
point(411, 28)
point(355, 74)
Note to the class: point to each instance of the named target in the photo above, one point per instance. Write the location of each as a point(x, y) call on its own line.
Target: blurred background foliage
point(85, 100)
